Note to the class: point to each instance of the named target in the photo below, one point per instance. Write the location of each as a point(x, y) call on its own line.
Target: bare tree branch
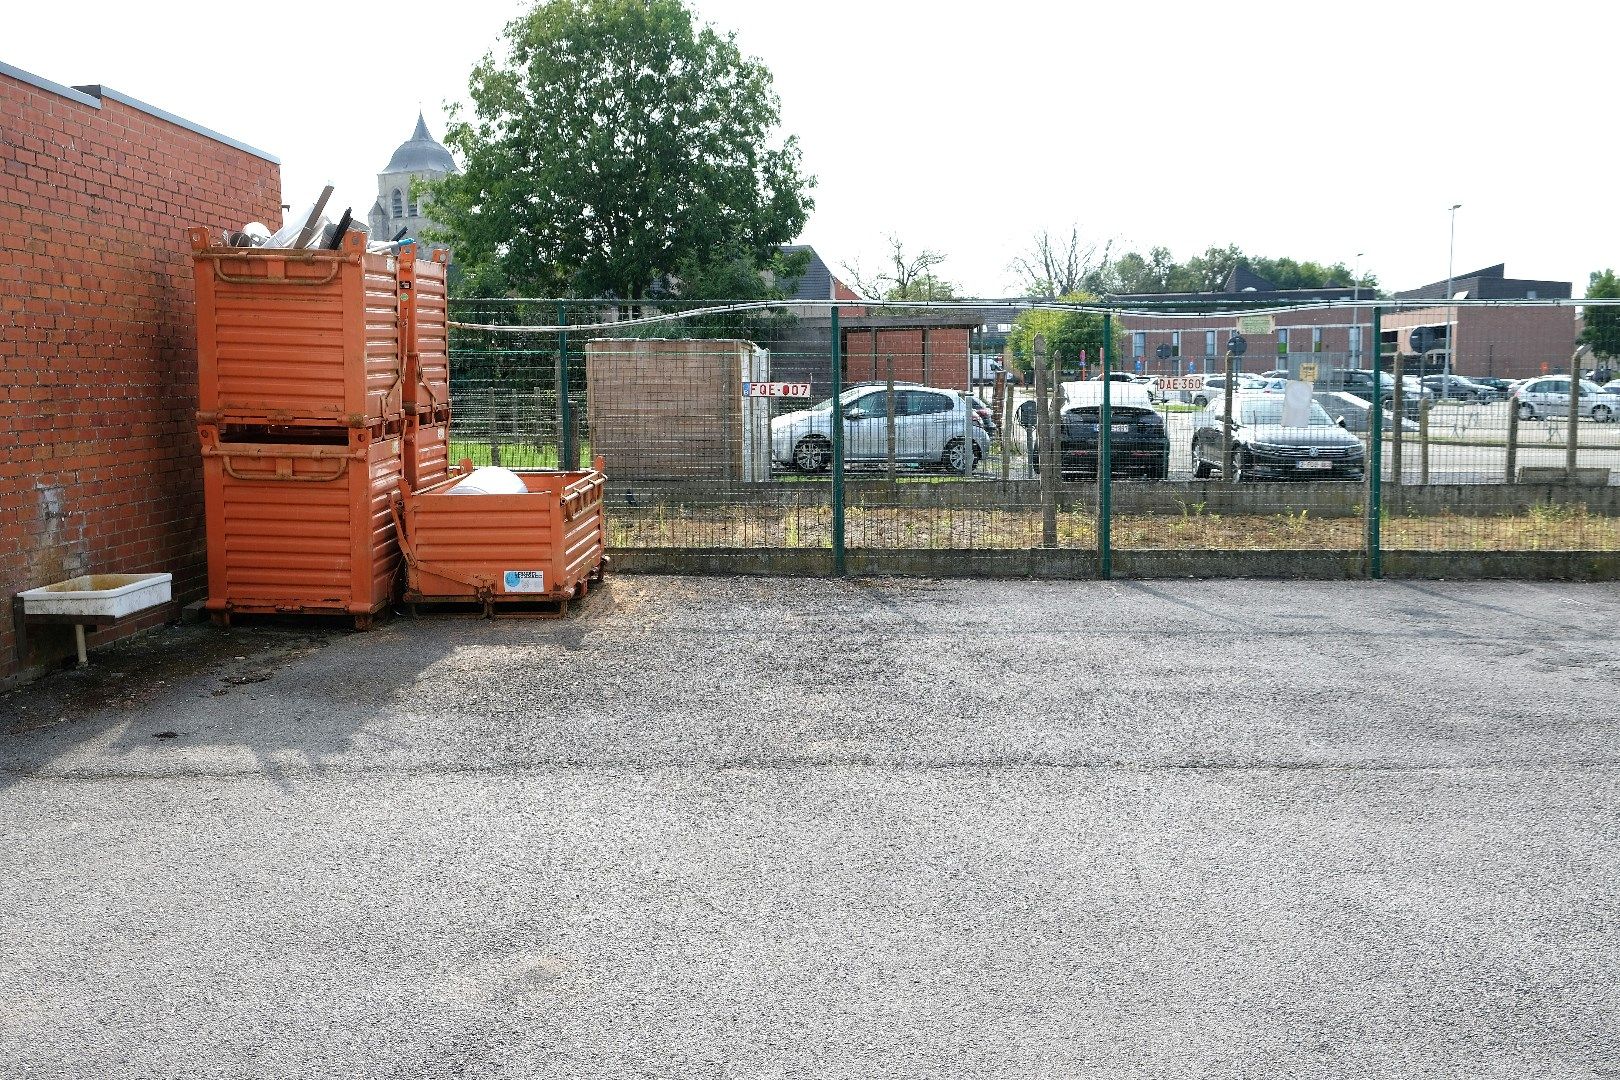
point(907, 277)
point(1057, 266)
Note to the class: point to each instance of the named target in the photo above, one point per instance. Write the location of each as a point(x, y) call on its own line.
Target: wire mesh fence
point(1352, 428)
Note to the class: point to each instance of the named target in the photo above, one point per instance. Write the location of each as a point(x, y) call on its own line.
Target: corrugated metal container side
point(301, 527)
point(424, 290)
point(427, 452)
point(463, 547)
point(297, 337)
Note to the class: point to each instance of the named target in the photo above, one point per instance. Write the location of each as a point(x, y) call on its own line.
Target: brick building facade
point(100, 470)
point(1503, 340)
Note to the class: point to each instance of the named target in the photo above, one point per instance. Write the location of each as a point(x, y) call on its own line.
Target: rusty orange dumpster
point(300, 526)
point(424, 318)
point(527, 553)
point(297, 337)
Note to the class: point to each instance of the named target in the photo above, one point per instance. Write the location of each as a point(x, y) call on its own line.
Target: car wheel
point(1602, 414)
point(1242, 468)
point(1201, 468)
point(954, 454)
point(812, 454)
point(1201, 401)
point(1527, 411)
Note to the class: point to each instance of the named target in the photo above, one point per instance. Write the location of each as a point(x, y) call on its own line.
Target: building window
point(1355, 346)
point(1139, 344)
point(1282, 341)
point(399, 204)
point(1316, 339)
point(1175, 343)
point(1531, 295)
point(1209, 343)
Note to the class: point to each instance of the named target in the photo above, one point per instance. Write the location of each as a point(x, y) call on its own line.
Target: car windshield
point(1271, 412)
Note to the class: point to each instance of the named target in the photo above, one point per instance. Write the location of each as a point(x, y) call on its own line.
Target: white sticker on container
point(522, 581)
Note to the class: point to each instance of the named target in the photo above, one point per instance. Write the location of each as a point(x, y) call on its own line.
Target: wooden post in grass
point(1043, 445)
point(1512, 475)
point(1005, 408)
point(1397, 426)
point(888, 425)
point(1572, 438)
point(1423, 440)
point(1226, 415)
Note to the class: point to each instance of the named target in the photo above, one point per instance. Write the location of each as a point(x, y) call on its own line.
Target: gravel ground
point(771, 828)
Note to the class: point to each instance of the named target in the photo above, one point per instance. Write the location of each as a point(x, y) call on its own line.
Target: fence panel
point(1490, 456)
point(1229, 441)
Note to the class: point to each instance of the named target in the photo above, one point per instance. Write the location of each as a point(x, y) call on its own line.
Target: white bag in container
point(490, 480)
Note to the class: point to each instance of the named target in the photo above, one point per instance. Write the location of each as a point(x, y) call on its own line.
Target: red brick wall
point(944, 361)
point(1501, 342)
point(99, 463)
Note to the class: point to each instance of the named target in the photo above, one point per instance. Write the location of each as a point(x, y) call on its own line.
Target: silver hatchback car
point(933, 426)
point(1548, 398)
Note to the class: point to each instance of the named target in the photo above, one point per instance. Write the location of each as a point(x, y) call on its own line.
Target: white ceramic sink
point(105, 595)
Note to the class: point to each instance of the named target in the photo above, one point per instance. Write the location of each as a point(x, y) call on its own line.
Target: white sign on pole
point(1296, 410)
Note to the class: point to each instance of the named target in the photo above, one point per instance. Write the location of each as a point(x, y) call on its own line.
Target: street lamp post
point(1451, 298)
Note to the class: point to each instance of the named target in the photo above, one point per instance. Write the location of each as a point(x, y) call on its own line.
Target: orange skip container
point(425, 318)
point(301, 528)
point(297, 337)
point(505, 554)
point(427, 452)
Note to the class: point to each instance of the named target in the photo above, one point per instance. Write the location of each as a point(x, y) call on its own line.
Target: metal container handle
point(331, 272)
point(289, 456)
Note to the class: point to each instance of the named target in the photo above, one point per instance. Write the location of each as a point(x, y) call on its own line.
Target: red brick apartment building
point(100, 469)
point(1503, 341)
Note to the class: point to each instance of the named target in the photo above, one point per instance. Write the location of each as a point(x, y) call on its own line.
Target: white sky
point(1287, 128)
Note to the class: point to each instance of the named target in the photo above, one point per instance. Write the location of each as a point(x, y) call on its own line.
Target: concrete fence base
point(1080, 564)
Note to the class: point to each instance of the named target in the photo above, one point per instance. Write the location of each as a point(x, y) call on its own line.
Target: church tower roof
point(421, 153)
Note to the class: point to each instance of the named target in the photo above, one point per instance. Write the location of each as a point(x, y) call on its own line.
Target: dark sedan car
point(1461, 388)
point(1140, 447)
point(1262, 449)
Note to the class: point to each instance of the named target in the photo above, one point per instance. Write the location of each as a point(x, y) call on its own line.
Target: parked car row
point(1262, 448)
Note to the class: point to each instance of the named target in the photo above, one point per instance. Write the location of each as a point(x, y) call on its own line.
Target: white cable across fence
point(1166, 310)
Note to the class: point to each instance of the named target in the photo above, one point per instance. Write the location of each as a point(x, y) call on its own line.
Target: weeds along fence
point(1340, 437)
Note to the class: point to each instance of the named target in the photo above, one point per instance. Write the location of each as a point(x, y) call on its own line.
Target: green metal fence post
point(1105, 456)
point(837, 419)
point(1375, 452)
point(565, 417)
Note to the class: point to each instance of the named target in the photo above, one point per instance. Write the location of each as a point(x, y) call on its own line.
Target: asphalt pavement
point(797, 828)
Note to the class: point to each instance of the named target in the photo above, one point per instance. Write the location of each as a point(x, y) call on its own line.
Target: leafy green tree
point(617, 148)
point(1150, 273)
point(1070, 336)
point(1159, 272)
point(1602, 324)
